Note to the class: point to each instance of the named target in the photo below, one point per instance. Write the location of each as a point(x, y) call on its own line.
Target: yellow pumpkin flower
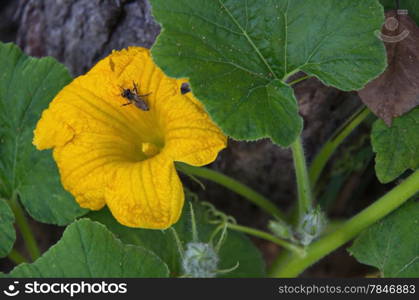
point(121, 155)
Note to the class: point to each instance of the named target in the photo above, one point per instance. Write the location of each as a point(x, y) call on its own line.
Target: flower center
point(149, 149)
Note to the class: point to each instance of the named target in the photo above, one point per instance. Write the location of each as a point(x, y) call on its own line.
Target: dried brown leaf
point(396, 91)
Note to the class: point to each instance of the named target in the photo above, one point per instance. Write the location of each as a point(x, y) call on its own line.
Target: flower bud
point(200, 260)
point(311, 226)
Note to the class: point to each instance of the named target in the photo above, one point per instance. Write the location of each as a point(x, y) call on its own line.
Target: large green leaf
point(397, 147)
point(88, 249)
point(7, 231)
point(392, 244)
point(237, 52)
point(237, 248)
point(27, 85)
point(411, 5)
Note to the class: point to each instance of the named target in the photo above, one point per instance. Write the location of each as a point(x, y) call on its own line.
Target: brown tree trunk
point(80, 32)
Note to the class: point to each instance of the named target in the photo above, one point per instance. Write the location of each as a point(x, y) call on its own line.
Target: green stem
point(303, 182)
point(233, 185)
point(292, 265)
point(24, 228)
point(333, 143)
point(299, 251)
point(16, 257)
point(178, 242)
point(298, 80)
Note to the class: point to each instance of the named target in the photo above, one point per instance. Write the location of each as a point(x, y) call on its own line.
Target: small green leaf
point(392, 244)
point(7, 231)
point(397, 147)
point(88, 249)
point(237, 247)
point(411, 5)
point(27, 85)
point(235, 52)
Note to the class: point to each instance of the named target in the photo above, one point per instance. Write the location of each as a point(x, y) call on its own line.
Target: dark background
point(80, 32)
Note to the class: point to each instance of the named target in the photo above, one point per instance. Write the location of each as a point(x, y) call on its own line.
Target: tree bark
point(80, 32)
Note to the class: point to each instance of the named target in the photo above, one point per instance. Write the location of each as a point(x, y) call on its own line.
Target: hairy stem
point(291, 265)
point(298, 80)
point(303, 182)
point(333, 143)
point(24, 228)
point(299, 251)
point(233, 185)
point(16, 257)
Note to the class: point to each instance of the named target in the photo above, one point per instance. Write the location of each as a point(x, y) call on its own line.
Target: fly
point(134, 97)
point(185, 88)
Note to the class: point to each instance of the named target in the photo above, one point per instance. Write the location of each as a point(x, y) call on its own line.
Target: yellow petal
point(51, 132)
point(84, 162)
point(123, 156)
point(190, 135)
point(147, 194)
